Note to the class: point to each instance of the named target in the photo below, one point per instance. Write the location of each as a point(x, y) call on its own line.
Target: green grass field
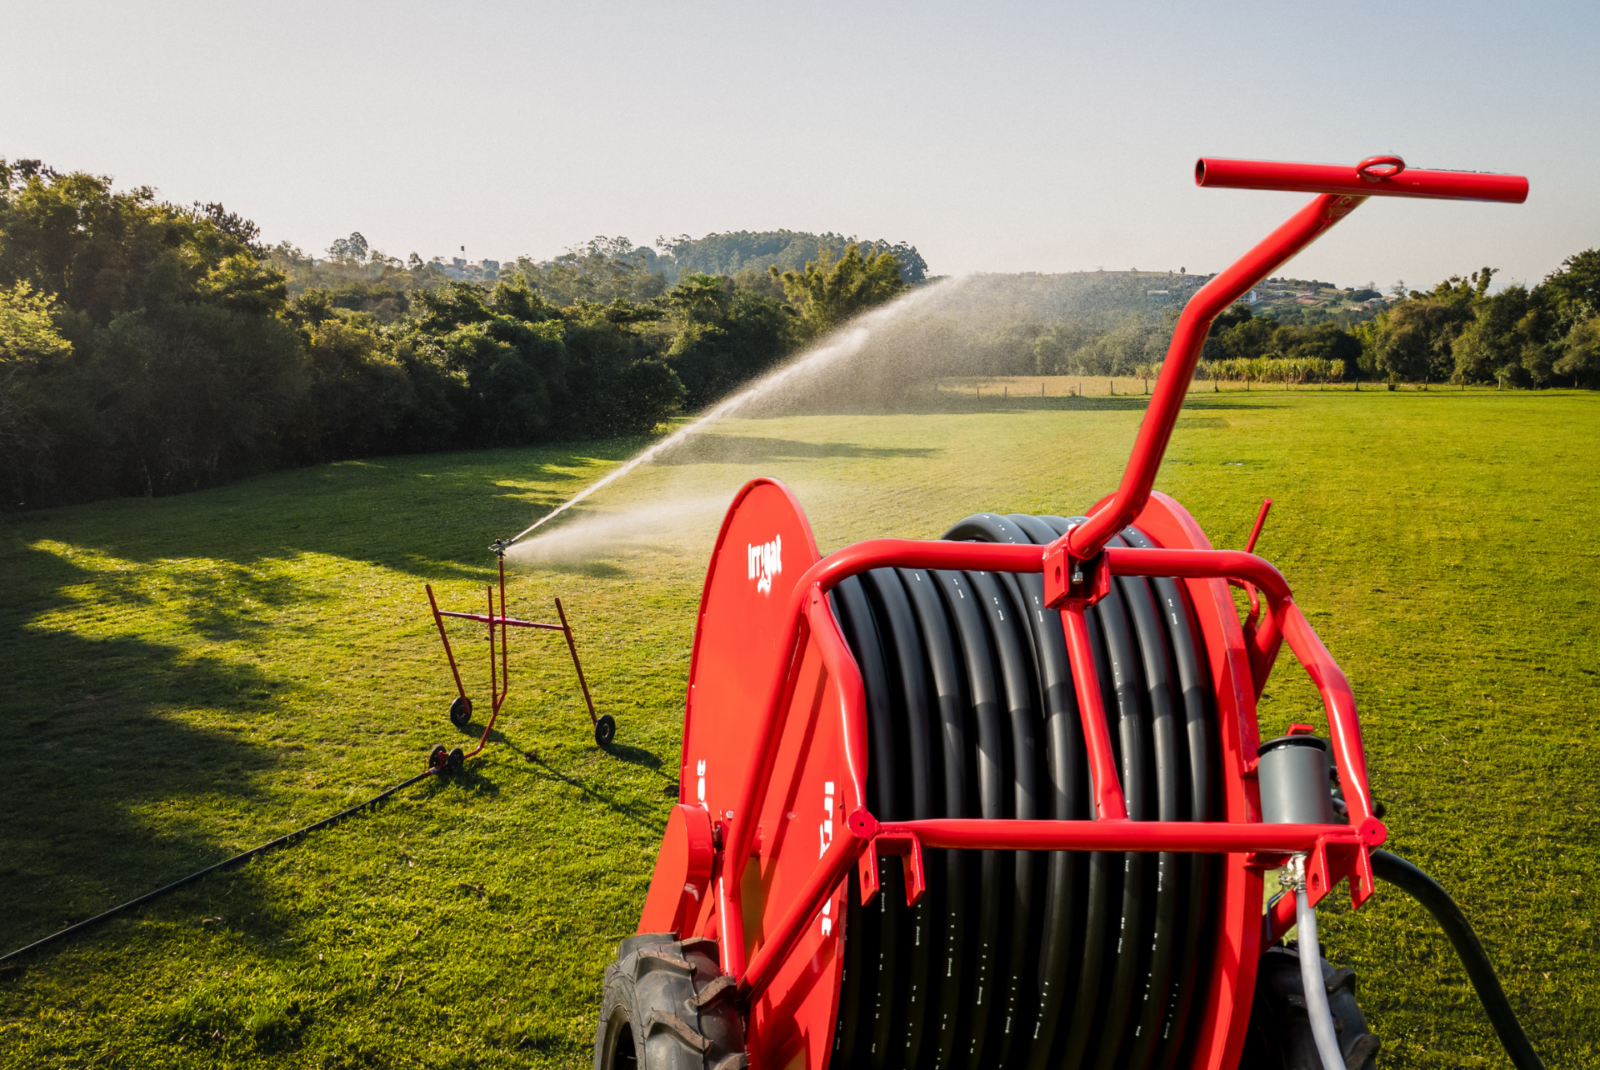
point(185, 677)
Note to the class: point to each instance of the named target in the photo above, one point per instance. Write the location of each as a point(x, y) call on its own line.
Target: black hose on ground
point(224, 864)
point(1390, 867)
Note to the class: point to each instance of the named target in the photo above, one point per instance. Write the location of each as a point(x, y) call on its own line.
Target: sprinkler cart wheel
point(1000, 799)
point(439, 758)
point(668, 1006)
point(605, 730)
point(456, 760)
point(461, 711)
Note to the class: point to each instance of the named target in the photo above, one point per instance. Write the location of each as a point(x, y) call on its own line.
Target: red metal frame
point(500, 677)
point(811, 667)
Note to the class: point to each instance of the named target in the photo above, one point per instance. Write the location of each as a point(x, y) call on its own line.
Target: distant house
point(491, 265)
point(1252, 297)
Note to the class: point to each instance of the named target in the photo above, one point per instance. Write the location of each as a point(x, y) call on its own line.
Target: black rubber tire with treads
point(1280, 1032)
point(667, 1006)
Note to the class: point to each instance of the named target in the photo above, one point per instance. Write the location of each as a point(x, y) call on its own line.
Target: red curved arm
point(1341, 190)
point(1303, 228)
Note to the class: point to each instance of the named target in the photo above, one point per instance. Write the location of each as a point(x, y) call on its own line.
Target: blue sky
point(996, 137)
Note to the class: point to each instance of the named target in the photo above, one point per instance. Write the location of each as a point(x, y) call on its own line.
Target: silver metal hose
point(1316, 990)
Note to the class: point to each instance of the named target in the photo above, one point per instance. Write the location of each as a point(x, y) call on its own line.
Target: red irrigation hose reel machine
point(1000, 800)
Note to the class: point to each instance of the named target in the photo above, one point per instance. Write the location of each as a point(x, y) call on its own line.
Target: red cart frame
point(1076, 570)
point(500, 675)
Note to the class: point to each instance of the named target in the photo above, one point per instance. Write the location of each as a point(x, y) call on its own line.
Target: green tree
point(182, 370)
point(29, 346)
point(1580, 353)
point(721, 335)
point(1574, 290)
point(352, 249)
point(361, 399)
point(602, 270)
point(829, 292)
point(789, 250)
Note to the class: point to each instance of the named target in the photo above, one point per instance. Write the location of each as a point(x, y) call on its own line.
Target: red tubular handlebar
point(1378, 176)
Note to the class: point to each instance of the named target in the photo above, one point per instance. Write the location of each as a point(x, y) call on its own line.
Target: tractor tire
point(1280, 1031)
point(667, 1006)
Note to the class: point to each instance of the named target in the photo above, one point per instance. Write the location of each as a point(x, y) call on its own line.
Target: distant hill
point(744, 250)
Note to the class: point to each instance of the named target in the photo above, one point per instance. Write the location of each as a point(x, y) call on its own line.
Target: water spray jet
point(841, 345)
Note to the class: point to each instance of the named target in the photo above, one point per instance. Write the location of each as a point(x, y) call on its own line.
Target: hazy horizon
point(1009, 138)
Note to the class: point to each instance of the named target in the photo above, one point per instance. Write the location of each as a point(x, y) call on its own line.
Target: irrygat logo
point(765, 562)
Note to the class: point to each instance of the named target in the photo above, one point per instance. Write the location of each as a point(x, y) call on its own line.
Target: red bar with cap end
point(1376, 176)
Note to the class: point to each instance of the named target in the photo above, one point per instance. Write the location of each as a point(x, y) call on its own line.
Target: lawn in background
point(185, 677)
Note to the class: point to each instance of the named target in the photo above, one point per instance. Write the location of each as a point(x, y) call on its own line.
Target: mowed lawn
point(186, 677)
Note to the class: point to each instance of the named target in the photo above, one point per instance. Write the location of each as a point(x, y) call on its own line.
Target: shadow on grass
point(955, 404)
point(104, 778)
point(430, 515)
point(752, 449)
point(94, 780)
point(636, 756)
point(622, 752)
point(646, 819)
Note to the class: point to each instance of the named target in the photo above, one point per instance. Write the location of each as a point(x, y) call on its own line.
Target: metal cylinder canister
point(1294, 775)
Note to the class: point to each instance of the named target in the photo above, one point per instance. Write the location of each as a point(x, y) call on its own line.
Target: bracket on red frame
point(909, 848)
point(1073, 582)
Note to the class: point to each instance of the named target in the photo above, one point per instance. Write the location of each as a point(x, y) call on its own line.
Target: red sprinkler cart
point(1000, 800)
point(605, 727)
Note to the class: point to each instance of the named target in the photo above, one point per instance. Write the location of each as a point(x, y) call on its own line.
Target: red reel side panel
point(1237, 944)
point(792, 1023)
point(765, 546)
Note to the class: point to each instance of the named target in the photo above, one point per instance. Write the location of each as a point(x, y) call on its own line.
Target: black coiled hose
point(1390, 867)
point(1026, 960)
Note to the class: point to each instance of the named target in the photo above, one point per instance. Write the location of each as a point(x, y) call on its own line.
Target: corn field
point(1288, 370)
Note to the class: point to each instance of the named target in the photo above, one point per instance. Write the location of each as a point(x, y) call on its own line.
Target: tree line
point(148, 348)
point(1458, 332)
